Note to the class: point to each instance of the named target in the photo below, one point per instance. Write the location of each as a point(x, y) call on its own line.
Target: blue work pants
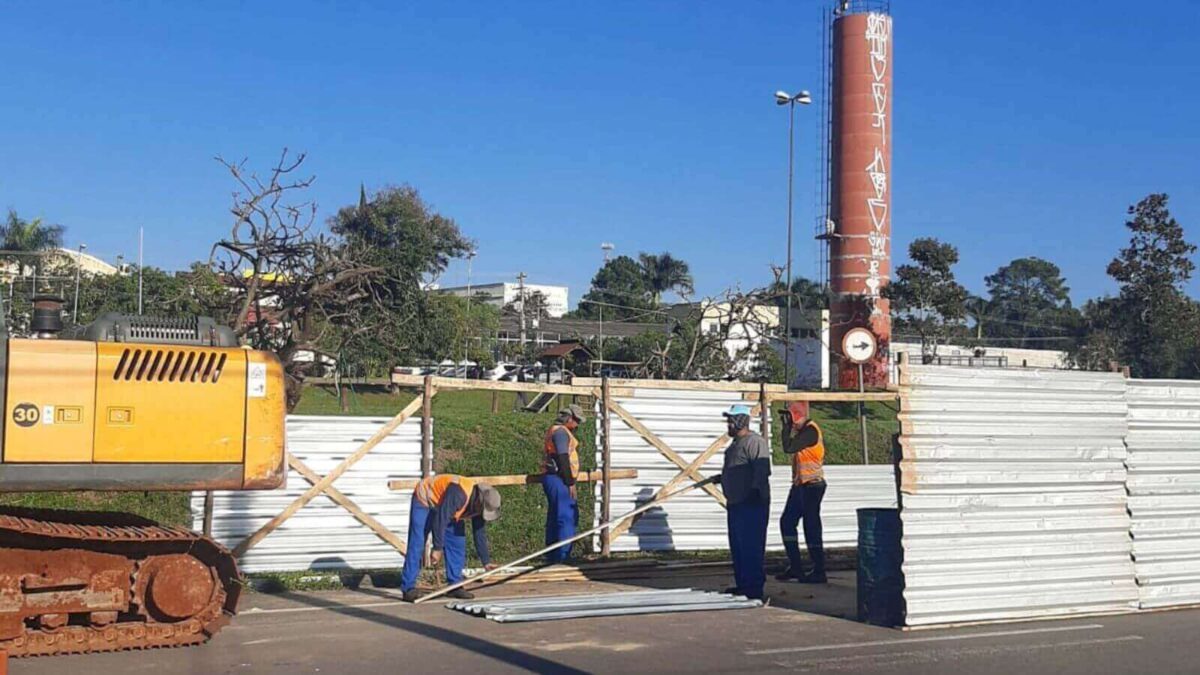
point(454, 546)
point(562, 515)
point(747, 523)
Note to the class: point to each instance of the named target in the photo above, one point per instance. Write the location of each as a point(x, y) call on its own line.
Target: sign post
point(859, 346)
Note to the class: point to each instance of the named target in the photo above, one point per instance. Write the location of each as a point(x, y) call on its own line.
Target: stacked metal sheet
point(556, 607)
point(1164, 490)
point(323, 535)
point(1013, 494)
point(689, 421)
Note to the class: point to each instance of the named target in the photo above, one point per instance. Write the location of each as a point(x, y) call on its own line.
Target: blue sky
point(544, 129)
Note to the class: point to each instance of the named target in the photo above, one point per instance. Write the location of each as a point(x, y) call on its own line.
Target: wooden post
point(764, 412)
point(606, 458)
point(427, 453)
point(208, 513)
point(495, 402)
point(427, 429)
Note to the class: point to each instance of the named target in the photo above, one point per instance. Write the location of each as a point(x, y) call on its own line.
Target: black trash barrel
point(880, 578)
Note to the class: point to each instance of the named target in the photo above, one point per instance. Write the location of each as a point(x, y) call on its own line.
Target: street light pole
point(78, 267)
point(783, 98)
point(466, 345)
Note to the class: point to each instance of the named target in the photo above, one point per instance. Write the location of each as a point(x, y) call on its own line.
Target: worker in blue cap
point(745, 480)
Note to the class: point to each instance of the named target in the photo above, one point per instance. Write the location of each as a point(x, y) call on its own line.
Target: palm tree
point(664, 273)
point(20, 236)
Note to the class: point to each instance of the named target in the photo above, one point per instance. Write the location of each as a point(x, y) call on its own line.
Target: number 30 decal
point(26, 414)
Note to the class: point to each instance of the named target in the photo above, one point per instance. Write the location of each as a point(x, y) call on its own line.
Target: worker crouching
point(441, 507)
point(745, 480)
point(561, 456)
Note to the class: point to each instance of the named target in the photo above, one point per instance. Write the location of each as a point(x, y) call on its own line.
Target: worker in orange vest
point(561, 455)
point(803, 440)
point(441, 507)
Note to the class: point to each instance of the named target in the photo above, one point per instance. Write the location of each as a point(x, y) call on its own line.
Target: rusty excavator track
point(74, 582)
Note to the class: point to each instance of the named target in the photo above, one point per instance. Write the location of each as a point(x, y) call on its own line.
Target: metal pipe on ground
point(625, 611)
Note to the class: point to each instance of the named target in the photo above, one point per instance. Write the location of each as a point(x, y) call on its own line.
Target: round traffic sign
point(859, 345)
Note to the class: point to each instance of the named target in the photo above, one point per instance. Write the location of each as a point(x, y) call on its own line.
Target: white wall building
point(500, 294)
point(982, 357)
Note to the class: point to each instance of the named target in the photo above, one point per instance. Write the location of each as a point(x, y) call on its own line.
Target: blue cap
point(738, 409)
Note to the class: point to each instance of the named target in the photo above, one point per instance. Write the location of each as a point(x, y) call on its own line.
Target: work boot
point(733, 590)
point(814, 578)
point(411, 595)
point(788, 575)
point(460, 594)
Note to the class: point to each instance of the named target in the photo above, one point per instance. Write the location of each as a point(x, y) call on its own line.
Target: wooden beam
point(684, 385)
point(456, 384)
point(683, 475)
point(310, 494)
point(827, 396)
point(345, 502)
point(520, 479)
point(349, 381)
point(647, 435)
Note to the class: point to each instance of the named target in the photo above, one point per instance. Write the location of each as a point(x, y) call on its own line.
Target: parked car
point(500, 372)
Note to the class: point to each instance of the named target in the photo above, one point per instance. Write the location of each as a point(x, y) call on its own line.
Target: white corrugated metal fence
point(323, 535)
point(1164, 490)
point(1013, 493)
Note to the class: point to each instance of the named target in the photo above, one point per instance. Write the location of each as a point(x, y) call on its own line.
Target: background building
point(501, 294)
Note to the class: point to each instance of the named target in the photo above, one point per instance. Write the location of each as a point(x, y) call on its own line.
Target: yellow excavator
point(126, 403)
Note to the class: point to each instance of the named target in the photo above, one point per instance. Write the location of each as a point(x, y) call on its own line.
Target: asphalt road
point(370, 631)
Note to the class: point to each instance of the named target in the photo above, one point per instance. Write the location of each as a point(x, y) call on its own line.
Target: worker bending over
point(802, 439)
point(561, 450)
point(745, 480)
point(441, 507)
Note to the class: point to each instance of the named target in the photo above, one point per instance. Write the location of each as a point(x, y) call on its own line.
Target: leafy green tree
point(806, 294)
point(1152, 323)
point(20, 236)
point(1029, 305)
point(396, 231)
point(618, 291)
point(663, 272)
point(927, 301)
point(197, 292)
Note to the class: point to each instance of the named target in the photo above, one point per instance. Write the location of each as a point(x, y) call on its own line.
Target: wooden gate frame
point(602, 389)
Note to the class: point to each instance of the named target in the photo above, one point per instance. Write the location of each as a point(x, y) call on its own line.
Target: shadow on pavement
point(463, 641)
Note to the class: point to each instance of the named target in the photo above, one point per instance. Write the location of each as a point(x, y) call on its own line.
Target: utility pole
point(521, 298)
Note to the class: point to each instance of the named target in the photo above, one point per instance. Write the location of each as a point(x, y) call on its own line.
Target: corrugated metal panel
point(323, 535)
point(1013, 494)
point(689, 422)
point(1164, 490)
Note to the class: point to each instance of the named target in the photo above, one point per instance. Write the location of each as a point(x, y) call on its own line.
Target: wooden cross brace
point(688, 470)
point(325, 486)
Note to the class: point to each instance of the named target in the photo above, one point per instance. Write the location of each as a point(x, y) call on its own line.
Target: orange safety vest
point(429, 491)
point(808, 465)
point(552, 452)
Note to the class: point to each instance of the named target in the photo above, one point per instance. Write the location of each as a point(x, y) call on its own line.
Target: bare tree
point(295, 292)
